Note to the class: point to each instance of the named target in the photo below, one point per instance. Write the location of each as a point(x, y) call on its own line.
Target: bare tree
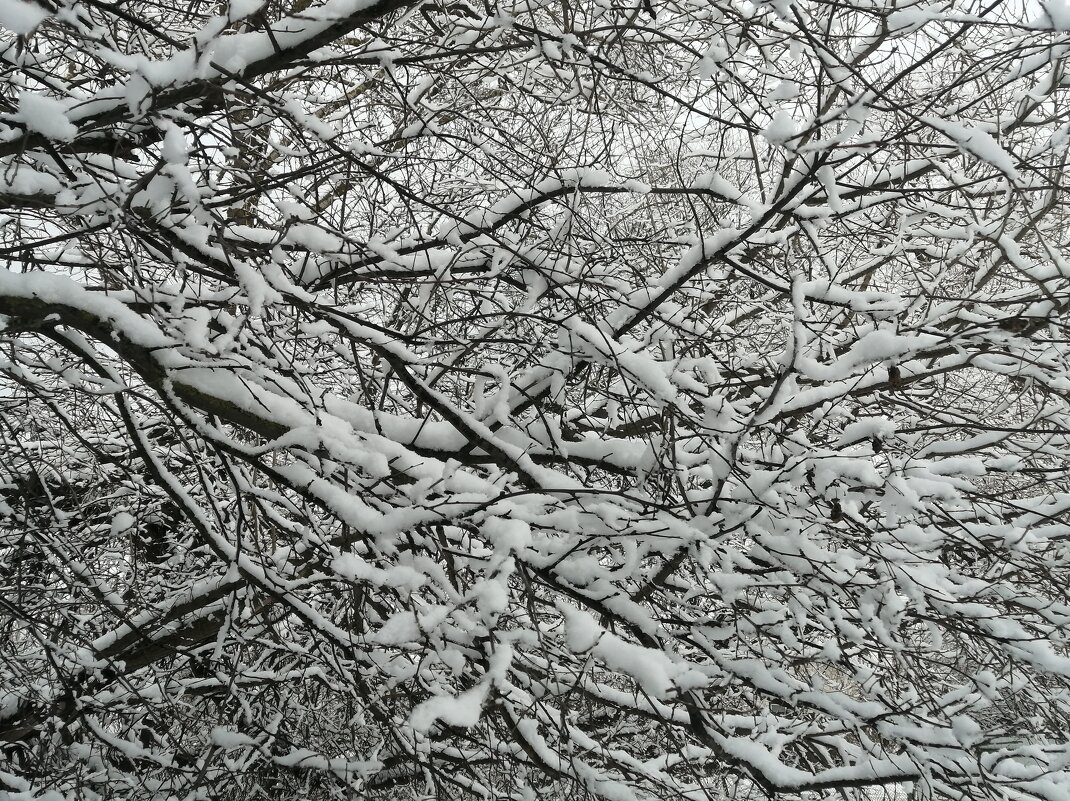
point(523, 399)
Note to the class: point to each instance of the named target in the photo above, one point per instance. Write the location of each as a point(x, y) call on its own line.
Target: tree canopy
point(508, 399)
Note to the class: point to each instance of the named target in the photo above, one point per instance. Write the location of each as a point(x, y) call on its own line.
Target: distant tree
point(534, 399)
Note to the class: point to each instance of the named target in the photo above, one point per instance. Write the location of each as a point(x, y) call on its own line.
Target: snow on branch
point(534, 399)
